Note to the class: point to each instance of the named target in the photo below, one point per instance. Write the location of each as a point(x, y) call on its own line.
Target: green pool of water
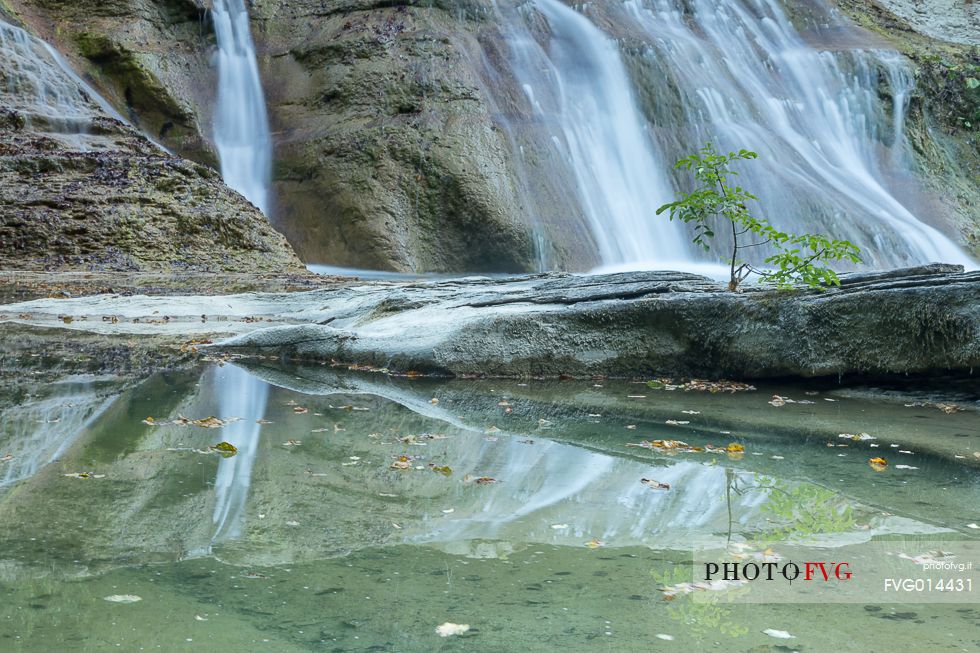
point(360, 513)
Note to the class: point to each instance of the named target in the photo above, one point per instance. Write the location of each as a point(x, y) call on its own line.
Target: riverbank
point(920, 321)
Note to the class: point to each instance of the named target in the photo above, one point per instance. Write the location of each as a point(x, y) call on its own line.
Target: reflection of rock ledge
point(913, 321)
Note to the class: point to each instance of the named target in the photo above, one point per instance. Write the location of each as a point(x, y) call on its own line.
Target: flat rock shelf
point(915, 321)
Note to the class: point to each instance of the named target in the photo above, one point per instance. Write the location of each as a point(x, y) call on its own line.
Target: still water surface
point(311, 538)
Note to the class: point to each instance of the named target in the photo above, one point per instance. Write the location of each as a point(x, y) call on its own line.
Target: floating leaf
point(672, 446)
point(402, 462)
point(300, 410)
point(226, 449)
point(421, 438)
point(878, 464)
point(441, 469)
point(594, 543)
point(735, 447)
point(859, 437)
point(486, 480)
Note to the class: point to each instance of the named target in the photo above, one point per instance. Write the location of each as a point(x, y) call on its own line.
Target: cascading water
point(48, 93)
point(580, 89)
point(833, 156)
point(746, 78)
point(241, 134)
point(241, 123)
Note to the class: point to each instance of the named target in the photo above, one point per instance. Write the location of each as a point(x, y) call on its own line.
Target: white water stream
point(241, 134)
point(581, 86)
point(833, 154)
point(44, 87)
point(241, 123)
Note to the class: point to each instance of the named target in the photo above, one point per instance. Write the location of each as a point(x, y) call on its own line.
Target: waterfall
point(241, 124)
point(579, 88)
point(833, 155)
point(746, 78)
point(40, 83)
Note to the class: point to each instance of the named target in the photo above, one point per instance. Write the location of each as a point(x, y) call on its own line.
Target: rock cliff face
point(79, 189)
point(387, 153)
point(394, 144)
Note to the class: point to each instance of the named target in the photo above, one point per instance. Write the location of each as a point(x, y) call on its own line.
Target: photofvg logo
point(892, 569)
point(777, 571)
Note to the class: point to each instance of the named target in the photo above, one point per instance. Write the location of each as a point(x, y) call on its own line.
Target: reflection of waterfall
point(560, 494)
point(737, 73)
point(582, 84)
point(38, 431)
point(241, 126)
point(544, 483)
point(241, 395)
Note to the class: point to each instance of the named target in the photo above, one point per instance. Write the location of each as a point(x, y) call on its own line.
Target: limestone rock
point(80, 189)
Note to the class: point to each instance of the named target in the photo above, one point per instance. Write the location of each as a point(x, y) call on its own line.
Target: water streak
point(241, 123)
point(579, 88)
point(746, 78)
point(833, 153)
point(40, 82)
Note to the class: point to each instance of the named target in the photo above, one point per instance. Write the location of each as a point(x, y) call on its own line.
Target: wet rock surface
point(917, 321)
point(914, 321)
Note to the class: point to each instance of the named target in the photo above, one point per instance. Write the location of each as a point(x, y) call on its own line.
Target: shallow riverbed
point(360, 512)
